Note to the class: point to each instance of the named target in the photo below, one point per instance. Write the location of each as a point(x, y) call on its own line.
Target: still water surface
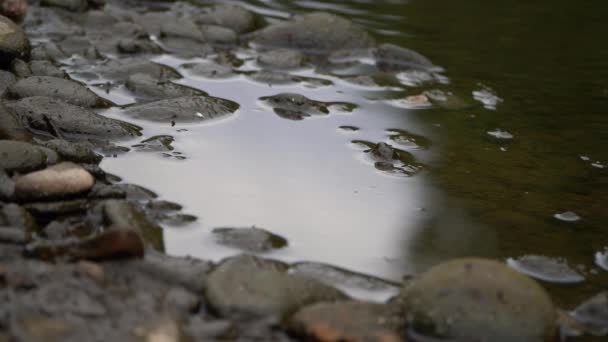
point(524, 139)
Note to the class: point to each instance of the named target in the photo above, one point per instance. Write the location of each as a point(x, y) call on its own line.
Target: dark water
point(537, 70)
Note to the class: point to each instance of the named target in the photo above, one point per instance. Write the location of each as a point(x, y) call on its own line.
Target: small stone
point(7, 78)
point(281, 59)
point(252, 239)
point(13, 42)
point(61, 180)
point(478, 300)
point(20, 68)
point(13, 235)
point(347, 321)
point(68, 91)
point(10, 127)
point(567, 216)
point(22, 157)
point(149, 88)
point(115, 242)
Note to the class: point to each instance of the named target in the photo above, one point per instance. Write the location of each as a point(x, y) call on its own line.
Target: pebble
point(78, 152)
point(10, 127)
point(61, 180)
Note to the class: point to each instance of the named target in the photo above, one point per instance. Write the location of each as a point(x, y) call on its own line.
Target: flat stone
point(250, 287)
point(73, 151)
point(147, 87)
point(479, 300)
point(347, 321)
point(13, 42)
point(184, 109)
point(57, 118)
point(254, 240)
point(293, 106)
point(57, 208)
point(314, 33)
point(120, 70)
point(22, 157)
point(61, 180)
point(68, 91)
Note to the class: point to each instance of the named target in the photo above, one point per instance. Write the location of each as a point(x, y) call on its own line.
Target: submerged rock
point(61, 180)
point(184, 109)
point(545, 268)
point(479, 300)
point(389, 159)
point(23, 157)
point(254, 240)
point(159, 143)
point(250, 287)
point(57, 118)
point(347, 321)
point(408, 140)
point(314, 33)
point(58, 88)
point(120, 70)
point(297, 107)
point(13, 42)
point(115, 242)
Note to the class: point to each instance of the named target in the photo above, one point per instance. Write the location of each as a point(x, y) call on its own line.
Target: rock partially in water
point(158, 143)
point(48, 51)
point(146, 87)
point(593, 315)
point(17, 216)
point(69, 5)
point(601, 259)
point(545, 268)
point(77, 152)
point(357, 285)
point(58, 118)
point(253, 240)
point(231, 16)
point(567, 216)
point(209, 70)
point(10, 127)
point(273, 77)
point(478, 300)
point(408, 140)
point(176, 220)
point(347, 321)
point(52, 209)
point(281, 59)
point(184, 109)
point(314, 33)
point(125, 214)
point(13, 42)
point(126, 191)
point(250, 287)
point(61, 180)
point(219, 35)
point(23, 157)
point(297, 107)
point(391, 58)
point(386, 158)
point(115, 242)
point(121, 69)
point(58, 88)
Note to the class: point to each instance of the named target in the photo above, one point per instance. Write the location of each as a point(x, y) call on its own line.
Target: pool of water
point(522, 140)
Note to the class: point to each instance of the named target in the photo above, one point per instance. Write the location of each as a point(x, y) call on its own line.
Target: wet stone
point(124, 214)
point(48, 51)
point(17, 216)
point(176, 220)
point(13, 42)
point(391, 57)
point(14, 9)
point(7, 186)
point(46, 68)
point(58, 118)
point(230, 16)
point(567, 216)
point(22, 157)
point(73, 151)
point(59, 88)
point(250, 287)
point(115, 242)
point(347, 321)
point(297, 107)
point(273, 77)
point(120, 70)
point(146, 87)
point(601, 259)
point(6, 80)
point(545, 268)
point(13, 235)
point(314, 33)
point(11, 127)
point(281, 59)
point(20, 68)
point(478, 300)
point(61, 180)
point(254, 240)
point(389, 159)
point(70, 5)
point(159, 143)
point(209, 70)
point(593, 315)
point(184, 109)
point(128, 191)
point(408, 140)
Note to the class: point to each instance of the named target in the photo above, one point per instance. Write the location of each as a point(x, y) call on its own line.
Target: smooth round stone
point(567, 216)
point(23, 157)
point(475, 299)
point(13, 42)
point(547, 269)
point(60, 180)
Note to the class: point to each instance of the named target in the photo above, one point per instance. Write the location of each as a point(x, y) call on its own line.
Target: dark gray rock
point(281, 59)
point(73, 151)
point(391, 57)
point(254, 240)
point(10, 126)
point(128, 191)
point(48, 51)
point(57, 118)
point(209, 70)
point(184, 109)
point(17, 216)
point(120, 70)
point(6, 80)
point(314, 33)
point(58, 88)
point(234, 17)
point(218, 34)
point(297, 107)
point(20, 68)
point(70, 5)
point(22, 157)
point(46, 68)
point(125, 214)
point(146, 87)
point(250, 287)
point(13, 42)
point(389, 159)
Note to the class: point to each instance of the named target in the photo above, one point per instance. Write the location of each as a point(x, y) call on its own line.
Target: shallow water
point(522, 140)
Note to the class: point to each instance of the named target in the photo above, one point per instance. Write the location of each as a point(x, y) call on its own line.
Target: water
point(537, 71)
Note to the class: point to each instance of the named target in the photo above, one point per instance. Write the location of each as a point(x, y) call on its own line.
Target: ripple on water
point(544, 268)
point(567, 216)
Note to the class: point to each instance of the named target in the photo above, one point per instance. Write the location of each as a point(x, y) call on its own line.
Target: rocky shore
point(81, 252)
